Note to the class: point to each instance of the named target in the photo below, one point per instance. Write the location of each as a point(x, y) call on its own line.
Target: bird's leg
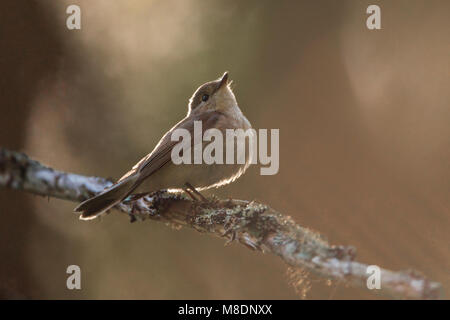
point(192, 188)
point(190, 194)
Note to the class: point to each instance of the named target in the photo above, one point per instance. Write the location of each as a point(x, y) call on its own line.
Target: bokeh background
point(364, 119)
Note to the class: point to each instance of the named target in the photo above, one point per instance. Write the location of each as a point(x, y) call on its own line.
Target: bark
point(252, 224)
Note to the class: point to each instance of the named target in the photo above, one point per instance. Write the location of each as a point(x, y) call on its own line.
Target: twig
point(255, 225)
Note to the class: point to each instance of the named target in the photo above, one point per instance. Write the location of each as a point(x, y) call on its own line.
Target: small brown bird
point(215, 105)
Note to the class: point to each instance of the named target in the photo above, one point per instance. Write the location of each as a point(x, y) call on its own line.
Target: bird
point(214, 105)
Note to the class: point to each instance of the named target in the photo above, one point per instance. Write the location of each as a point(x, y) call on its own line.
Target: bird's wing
point(161, 155)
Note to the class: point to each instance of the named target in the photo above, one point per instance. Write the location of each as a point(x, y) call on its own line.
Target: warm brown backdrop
point(364, 137)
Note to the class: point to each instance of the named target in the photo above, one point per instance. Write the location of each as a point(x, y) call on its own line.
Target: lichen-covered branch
point(254, 225)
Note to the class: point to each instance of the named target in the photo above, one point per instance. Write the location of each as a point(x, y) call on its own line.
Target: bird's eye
point(205, 97)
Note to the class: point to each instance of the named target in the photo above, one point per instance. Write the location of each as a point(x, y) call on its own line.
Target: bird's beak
point(223, 81)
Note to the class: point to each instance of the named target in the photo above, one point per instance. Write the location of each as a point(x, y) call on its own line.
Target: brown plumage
point(214, 104)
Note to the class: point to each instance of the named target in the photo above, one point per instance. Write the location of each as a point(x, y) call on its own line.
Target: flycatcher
point(215, 105)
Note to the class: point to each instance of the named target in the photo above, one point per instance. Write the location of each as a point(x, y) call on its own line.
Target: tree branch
point(254, 225)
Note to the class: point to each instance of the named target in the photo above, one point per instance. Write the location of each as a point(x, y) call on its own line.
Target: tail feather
point(93, 207)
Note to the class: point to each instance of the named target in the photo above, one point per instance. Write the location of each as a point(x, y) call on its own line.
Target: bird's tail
point(93, 207)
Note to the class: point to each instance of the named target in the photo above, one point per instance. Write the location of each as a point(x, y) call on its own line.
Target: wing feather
point(161, 155)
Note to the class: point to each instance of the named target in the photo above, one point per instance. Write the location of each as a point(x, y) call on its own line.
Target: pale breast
point(202, 176)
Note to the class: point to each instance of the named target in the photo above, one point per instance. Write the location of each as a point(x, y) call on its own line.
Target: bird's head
point(213, 95)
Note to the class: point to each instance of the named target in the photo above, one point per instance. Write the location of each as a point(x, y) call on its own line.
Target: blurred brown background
point(364, 137)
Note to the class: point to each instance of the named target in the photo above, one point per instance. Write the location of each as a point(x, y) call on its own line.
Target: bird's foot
point(193, 193)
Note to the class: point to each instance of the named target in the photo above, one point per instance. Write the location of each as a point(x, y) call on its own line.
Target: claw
point(231, 239)
point(245, 240)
